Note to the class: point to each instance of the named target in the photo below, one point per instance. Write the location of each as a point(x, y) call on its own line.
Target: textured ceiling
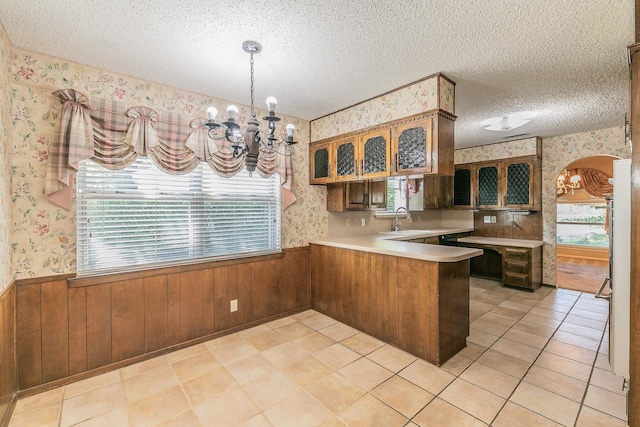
point(564, 61)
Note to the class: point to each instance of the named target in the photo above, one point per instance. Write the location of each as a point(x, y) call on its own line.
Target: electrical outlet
point(363, 222)
point(487, 219)
point(493, 219)
point(234, 305)
point(348, 222)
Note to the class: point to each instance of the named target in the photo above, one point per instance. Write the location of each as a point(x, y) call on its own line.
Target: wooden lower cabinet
point(419, 306)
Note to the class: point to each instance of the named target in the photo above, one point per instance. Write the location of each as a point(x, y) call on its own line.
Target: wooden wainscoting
point(68, 329)
point(8, 385)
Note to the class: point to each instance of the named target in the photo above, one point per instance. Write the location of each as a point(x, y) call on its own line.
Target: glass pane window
point(582, 224)
point(140, 217)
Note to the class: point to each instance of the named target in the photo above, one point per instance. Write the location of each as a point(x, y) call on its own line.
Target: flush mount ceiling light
point(248, 143)
point(508, 122)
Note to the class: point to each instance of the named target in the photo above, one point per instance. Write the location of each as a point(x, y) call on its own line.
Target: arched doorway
point(582, 245)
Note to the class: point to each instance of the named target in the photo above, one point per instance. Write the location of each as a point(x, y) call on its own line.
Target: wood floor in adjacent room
point(580, 274)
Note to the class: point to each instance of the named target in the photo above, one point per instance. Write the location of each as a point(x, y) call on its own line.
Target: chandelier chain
point(252, 110)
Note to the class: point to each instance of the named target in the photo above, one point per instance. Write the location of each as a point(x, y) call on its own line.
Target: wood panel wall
point(8, 385)
point(419, 306)
point(527, 227)
point(69, 329)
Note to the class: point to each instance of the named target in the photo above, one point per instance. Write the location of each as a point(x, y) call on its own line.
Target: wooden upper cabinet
point(488, 179)
point(464, 187)
point(519, 184)
point(320, 163)
point(347, 162)
point(412, 147)
point(375, 154)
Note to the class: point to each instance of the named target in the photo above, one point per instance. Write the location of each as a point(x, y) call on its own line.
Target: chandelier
point(567, 183)
point(250, 142)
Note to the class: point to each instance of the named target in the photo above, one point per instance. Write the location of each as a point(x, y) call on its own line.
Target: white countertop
point(518, 243)
point(390, 243)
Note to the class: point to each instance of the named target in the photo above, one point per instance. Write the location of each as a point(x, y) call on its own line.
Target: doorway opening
point(582, 235)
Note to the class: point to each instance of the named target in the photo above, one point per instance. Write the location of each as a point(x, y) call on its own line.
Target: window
point(582, 224)
point(141, 217)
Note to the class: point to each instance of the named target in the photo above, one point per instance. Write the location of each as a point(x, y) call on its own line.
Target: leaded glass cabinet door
point(488, 186)
point(412, 147)
point(518, 184)
point(346, 155)
point(463, 196)
point(320, 163)
point(375, 153)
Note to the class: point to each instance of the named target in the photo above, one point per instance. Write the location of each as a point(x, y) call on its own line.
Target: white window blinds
point(141, 217)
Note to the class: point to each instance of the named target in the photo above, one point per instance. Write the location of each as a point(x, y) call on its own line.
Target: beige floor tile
point(362, 343)
point(520, 299)
point(43, 416)
point(481, 338)
point(366, 373)
point(284, 354)
point(250, 368)
point(184, 419)
point(557, 306)
point(500, 319)
point(526, 338)
point(516, 416)
point(195, 366)
point(118, 417)
point(550, 314)
point(515, 349)
point(439, 413)
point(294, 330)
point(489, 326)
point(510, 313)
point(318, 321)
point(337, 356)
point(299, 410)
point(256, 330)
point(333, 422)
point(564, 366)
point(582, 331)
point(266, 340)
point(234, 352)
point(370, 412)
point(275, 324)
point(602, 362)
point(472, 351)
point(268, 390)
point(93, 383)
point(92, 403)
point(504, 363)
point(545, 403)
point(209, 386)
point(534, 328)
point(39, 400)
point(402, 395)
point(307, 371)
point(223, 341)
point(582, 321)
point(151, 382)
point(589, 314)
point(314, 341)
point(557, 383)
point(186, 353)
point(473, 400)
point(571, 351)
point(490, 379)
point(336, 392)
point(427, 376)
point(391, 358)
point(607, 380)
point(256, 421)
point(338, 331)
point(456, 364)
point(158, 408)
point(226, 410)
point(142, 367)
point(589, 417)
point(541, 320)
point(606, 401)
point(523, 308)
point(304, 314)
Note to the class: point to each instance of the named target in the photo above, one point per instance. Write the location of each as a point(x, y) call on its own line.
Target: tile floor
point(532, 360)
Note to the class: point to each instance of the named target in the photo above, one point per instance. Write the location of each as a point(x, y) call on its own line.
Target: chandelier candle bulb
point(232, 111)
point(212, 113)
point(271, 104)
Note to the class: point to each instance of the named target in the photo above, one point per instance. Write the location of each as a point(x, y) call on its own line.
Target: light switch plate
point(487, 219)
point(493, 219)
point(234, 305)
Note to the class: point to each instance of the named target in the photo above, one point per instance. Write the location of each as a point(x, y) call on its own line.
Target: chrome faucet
point(396, 223)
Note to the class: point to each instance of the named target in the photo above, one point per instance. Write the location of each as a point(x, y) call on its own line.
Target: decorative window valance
point(593, 181)
point(114, 135)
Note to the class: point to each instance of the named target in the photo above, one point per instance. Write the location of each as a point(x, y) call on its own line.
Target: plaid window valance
point(113, 134)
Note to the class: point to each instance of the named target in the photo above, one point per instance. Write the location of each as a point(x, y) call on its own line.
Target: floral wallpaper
point(429, 94)
point(557, 153)
point(503, 150)
point(42, 234)
point(5, 162)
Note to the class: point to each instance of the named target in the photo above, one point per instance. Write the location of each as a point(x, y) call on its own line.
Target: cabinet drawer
point(521, 267)
point(516, 279)
point(518, 254)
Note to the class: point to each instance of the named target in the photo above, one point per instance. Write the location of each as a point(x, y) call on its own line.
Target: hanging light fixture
point(249, 142)
point(567, 183)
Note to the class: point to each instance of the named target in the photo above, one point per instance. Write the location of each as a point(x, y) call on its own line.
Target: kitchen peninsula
point(411, 295)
